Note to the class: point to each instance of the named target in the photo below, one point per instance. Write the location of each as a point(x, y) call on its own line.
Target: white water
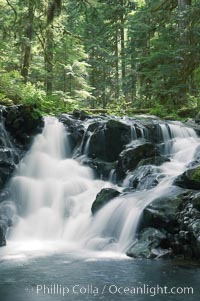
point(54, 195)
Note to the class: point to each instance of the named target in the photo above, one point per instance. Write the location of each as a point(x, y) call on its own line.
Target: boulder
point(80, 114)
point(108, 140)
point(129, 158)
point(18, 125)
point(157, 161)
point(6, 171)
point(22, 122)
point(188, 217)
point(2, 234)
point(103, 197)
point(162, 213)
point(178, 217)
point(75, 129)
point(189, 179)
point(144, 177)
point(150, 244)
point(102, 169)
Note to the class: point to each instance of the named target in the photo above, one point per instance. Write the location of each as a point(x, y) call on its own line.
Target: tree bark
point(123, 60)
point(116, 66)
point(49, 60)
point(27, 47)
point(53, 10)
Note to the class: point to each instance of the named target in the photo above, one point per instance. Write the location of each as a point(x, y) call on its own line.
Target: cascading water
point(121, 216)
point(54, 195)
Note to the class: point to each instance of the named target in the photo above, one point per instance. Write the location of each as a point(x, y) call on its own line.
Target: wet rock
point(129, 158)
point(189, 179)
point(80, 114)
point(149, 245)
point(75, 130)
point(4, 195)
point(22, 124)
point(103, 197)
point(108, 140)
point(2, 234)
point(188, 217)
point(162, 213)
point(6, 171)
point(178, 216)
point(101, 168)
point(18, 125)
point(144, 177)
point(157, 161)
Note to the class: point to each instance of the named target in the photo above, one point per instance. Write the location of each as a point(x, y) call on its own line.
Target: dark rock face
point(103, 197)
point(22, 124)
point(161, 213)
point(108, 140)
point(6, 170)
point(17, 128)
point(178, 218)
point(129, 158)
point(144, 177)
point(101, 168)
point(2, 235)
point(157, 161)
point(188, 238)
point(18, 125)
point(7, 213)
point(75, 129)
point(151, 243)
point(189, 179)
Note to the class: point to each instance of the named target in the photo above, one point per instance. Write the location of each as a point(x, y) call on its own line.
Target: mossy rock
point(189, 179)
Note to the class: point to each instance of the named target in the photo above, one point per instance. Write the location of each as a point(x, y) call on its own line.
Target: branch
point(165, 3)
point(14, 10)
point(72, 34)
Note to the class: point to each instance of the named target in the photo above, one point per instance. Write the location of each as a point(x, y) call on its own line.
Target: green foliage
point(119, 108)
point(159, 110)
point(116, 55)
point(11, 85)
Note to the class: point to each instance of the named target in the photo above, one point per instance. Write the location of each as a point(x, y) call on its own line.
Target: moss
point(195, 174)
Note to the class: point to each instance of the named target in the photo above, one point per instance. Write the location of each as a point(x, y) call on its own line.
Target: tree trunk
point(27, 47)
point(116, 66)
point(123, 60)
point(184, 42)
point(182, 4)
point(133, 68)
point(49, 60)
point(49, 43)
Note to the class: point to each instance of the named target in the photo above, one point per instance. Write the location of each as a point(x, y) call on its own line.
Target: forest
point(117, 55)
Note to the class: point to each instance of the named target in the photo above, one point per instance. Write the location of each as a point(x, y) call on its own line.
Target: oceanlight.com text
point(109, 289)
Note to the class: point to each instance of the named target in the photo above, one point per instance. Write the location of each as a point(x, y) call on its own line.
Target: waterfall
point(116, 223)
point(54, 193)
